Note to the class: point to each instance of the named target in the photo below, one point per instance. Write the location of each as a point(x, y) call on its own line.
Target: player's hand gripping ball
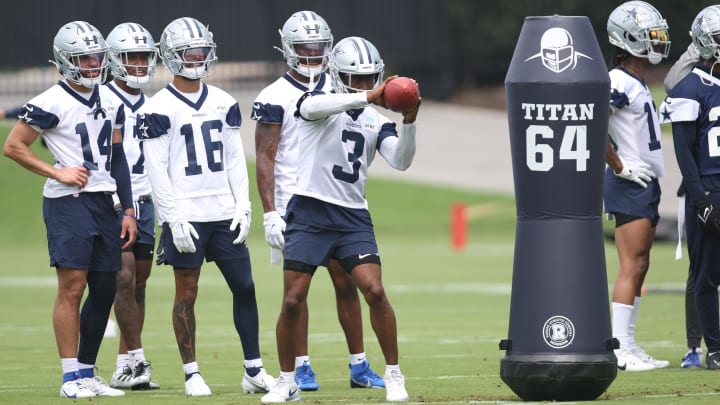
point(401, 94)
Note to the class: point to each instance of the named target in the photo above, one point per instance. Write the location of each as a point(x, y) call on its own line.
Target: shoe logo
point(292, 393)
point(623, 367)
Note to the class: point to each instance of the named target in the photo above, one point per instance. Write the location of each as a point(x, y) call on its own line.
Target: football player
point(327, 217)
point(693, 357)
point(635, 162)
point(306, 44)
point(692, 107)
point(132, 57)
point(196, 165)
point(81, 124)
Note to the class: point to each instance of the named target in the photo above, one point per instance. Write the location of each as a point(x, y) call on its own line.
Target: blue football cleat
point(692, 359)
point(362, 376)
point(305, 378)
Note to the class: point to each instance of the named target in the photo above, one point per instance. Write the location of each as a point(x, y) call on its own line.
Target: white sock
point(122, 360)
point(391, 367)
point(300, 360)
point(633, 321)
point(190, 368)
point(621, 314)
point(253, 363)
point(357, 358)
point(287, 376)
point(69, 364)
point(136, 356)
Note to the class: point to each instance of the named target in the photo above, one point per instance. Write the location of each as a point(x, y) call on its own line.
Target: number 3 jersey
point(190, 143)
point(696, 99)
point(78, 132)
point(633, 126)
point(336, 150)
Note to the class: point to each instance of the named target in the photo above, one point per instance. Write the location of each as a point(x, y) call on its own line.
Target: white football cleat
point(98, 385)
point(75, 389)
point(195, 386)
point(122, 378)
point(260, 384)
point(283, 391)
point(638, 351)
point(395, 387)
point(629, 361)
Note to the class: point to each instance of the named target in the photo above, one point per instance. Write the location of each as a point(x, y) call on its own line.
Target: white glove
point(242, 218)
point(640, 173)
point(183, 233)
point(274, 229)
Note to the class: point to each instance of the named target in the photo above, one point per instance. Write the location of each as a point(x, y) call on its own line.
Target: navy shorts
point(316, 248)
point(83, 232)
point(215, 243)
point(318, 231)
point(629, 198)
point(145, 213)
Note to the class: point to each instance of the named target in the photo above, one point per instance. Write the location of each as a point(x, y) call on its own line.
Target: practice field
point(452, 309)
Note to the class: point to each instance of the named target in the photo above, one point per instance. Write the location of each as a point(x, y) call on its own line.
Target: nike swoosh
point(623, 367)
point(291, 393)
point(365, 255)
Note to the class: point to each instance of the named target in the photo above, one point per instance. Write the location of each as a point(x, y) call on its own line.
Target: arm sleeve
point(684, 142)
point(682, 67)
point(156, 151)
point(237, 168)
point(316, 106)
point(399, 151)
point(120, 171)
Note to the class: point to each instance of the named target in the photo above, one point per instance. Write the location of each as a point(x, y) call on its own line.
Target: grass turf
point(452, 309)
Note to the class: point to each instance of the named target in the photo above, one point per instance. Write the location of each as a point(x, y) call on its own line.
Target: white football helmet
point(638, 28)
point(187, 48)
point(129, 38)
point(705, 32)
point(81, 54)
point(354, 56)
point(306, 43)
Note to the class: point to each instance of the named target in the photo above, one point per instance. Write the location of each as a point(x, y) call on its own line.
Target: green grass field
point(452, 309)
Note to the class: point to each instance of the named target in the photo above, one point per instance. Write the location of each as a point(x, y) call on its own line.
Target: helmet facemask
point(658, 46)
point(196, 62)
point(135, 68)
point(310, 59)
point(87, 69)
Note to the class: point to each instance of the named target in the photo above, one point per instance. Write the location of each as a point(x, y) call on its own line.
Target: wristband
point(129, 215)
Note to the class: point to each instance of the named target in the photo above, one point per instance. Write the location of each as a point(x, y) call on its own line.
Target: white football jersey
point(190, 142)
point(276, 104)
point(335, 153)
point(135, 105)
point(633, 125)
point(78, 132)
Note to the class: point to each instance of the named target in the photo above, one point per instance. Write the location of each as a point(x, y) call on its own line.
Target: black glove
point(709, 217)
